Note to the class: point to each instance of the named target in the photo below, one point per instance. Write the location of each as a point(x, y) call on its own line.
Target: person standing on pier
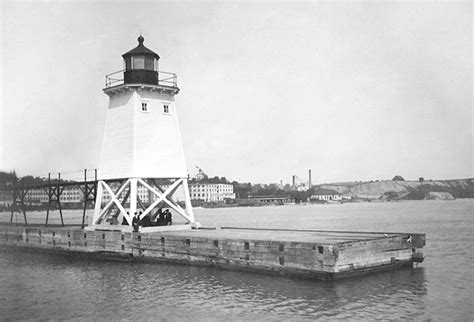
point(168, 220)
point(161, 218)
point(135, 222)
point(124, 220)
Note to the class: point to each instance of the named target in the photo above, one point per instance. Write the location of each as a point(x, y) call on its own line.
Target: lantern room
point(141, 65)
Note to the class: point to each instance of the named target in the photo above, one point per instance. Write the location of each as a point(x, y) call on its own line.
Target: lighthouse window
point(149, 63)
point(144, 107)
point(166, 109)
point(138, 62)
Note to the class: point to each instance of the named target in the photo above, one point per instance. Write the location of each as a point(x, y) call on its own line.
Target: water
point(37, 285)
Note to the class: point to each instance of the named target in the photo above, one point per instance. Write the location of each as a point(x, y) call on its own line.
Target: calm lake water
point(47, 286)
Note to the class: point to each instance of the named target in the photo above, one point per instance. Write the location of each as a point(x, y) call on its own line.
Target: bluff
point(406, 190)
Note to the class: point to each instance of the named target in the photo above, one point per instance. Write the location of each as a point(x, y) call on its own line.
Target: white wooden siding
point(141, 144)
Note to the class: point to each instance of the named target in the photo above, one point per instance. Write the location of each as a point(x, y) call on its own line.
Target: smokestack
point(294, 181)
point(309, 179)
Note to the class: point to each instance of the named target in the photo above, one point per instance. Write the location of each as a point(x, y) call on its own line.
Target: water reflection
point(95, 289)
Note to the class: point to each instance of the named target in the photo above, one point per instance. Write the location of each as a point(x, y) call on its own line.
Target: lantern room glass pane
point(128, 63)
point(149, 63)
point(138, 62)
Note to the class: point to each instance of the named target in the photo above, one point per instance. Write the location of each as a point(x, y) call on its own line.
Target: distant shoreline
point(356, 201)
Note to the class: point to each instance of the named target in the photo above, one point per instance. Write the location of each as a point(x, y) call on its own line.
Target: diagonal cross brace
point(163, 197)
point(113, 200)
point(170, 199)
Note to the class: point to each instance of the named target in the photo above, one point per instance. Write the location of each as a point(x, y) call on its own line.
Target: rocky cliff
point(407, 190)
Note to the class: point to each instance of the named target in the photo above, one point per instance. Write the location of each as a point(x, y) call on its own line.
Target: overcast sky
point(353, 91)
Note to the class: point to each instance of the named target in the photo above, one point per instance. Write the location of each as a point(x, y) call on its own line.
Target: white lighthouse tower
point(142, 147)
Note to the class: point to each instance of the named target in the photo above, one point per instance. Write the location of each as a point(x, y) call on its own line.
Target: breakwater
point(314, 254)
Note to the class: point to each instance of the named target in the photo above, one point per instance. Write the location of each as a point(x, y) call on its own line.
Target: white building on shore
point(70, 194)
point(211, 192)
point(207, 192)
point(326, 195)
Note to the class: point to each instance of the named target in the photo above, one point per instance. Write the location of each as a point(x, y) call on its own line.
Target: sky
point(350, 90)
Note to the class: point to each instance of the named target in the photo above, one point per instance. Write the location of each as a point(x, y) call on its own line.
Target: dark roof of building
point(141, 50)
point(325, 192)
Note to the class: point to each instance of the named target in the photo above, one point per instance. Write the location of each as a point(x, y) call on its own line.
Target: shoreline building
point(69, 195)
point(270, 200)
point(211, 192)
point(6, 199)
point(208, 192)
point(326, 195)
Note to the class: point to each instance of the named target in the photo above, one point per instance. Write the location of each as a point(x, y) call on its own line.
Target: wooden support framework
point(89, 191)
point(54, 192)
point(19, 206)
point(54, 189)
point(128, 191)
point(101, 214)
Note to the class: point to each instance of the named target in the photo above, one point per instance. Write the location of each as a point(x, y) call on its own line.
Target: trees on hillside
point(10, 178)
point(7, 178)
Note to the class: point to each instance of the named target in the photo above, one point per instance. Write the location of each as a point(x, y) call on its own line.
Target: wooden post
point(133, 196)
point(98, 201)
point(49, 197)
point(59, 191)
point(95, 184)
point(187, 200)
point(23, 206)
point(14, 192)
point(86, 198)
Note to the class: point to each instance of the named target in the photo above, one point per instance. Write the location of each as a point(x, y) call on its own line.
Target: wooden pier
point(323, 255)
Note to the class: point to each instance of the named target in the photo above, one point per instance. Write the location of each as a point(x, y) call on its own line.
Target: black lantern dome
point(141, 65)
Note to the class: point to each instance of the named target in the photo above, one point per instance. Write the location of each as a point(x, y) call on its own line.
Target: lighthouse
point(142, 147)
